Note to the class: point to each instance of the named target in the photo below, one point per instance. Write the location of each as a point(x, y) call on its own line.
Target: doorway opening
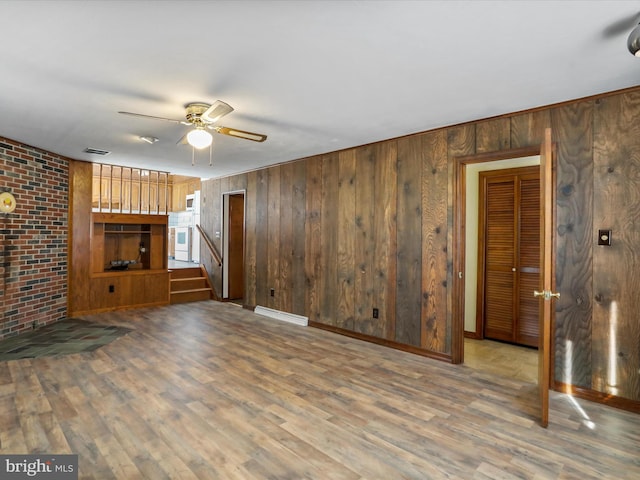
point(476, 351)
point(233, 240)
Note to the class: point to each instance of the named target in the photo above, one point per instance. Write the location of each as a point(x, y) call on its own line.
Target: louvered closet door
point(529, 261)
point(500, 257)
point(511, 224)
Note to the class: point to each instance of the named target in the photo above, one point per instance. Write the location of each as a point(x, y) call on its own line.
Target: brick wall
point(33, 269)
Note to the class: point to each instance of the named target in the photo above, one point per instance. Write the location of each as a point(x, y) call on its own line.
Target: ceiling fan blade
point(623, 25)
point(256, 137)
point(183, 140)
point(155, 118)
point(216, 111)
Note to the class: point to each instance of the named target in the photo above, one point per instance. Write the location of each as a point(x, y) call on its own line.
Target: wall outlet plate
point(604, 237)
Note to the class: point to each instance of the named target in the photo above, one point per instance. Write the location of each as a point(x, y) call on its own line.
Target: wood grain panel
point(273, 237)
point(224, 188)
point(528, 128)
point(573, 128)
point(262, 237)
point(384, 258)
point(493, 135)
point(250, 240)
point(98, 248)
point(365, 243)
point(409, 241)
point(313, 235)
point(284, 293)
point(434, 242)
point(345, 309)
point(216, 226)
point(79, 253)
point(329, 239)
point(206, 222)
point(238, 182)
point(576, 198)
point(298, 213)
point(616, 330)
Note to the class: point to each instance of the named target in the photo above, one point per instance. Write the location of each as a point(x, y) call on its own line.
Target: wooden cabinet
point(180, 188)
point(118, 290)
point(128, 261)
point(179, 197)
point(509, 255)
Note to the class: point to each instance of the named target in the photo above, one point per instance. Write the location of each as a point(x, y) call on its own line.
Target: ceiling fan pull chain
point(211, 155)
point(193, 156)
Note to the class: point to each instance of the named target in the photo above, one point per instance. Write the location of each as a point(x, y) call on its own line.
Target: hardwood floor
point(209, 390)
point(503, 359)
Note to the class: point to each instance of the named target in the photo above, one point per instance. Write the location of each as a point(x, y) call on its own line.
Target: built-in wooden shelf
point(138, 240)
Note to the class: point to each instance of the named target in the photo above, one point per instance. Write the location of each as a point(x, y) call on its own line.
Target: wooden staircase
point(190, 285)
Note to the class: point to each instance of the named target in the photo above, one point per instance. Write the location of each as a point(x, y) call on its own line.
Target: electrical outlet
point(604, 237)
point(112, 288)
point(272, 292)
point(376, 313)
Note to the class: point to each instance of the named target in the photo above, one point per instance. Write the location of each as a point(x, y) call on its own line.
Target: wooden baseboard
point(472, 335)
point(113, 309)
point(598, 397)
point(584, 393)
point(381, 341)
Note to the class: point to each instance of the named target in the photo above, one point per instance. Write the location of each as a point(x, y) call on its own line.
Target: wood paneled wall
point(339, 234)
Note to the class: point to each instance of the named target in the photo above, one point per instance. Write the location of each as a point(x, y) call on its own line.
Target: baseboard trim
point(384, 342)
point(284, 316)
point(598, 397)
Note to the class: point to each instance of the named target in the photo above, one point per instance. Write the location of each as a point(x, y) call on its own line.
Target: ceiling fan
point(203, 116)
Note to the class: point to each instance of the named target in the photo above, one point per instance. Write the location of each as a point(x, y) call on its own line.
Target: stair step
point(186, 272)
point(178, 284)
point(193, 295)
point(190, 285)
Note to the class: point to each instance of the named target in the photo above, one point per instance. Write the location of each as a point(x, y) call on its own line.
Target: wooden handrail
point(212, 248)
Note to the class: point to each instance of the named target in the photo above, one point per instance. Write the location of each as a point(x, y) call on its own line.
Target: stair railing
point(212, 248)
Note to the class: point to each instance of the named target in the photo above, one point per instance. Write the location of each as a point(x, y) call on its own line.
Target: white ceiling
point(315, 76)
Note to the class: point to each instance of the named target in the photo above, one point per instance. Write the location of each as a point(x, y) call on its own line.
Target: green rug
point(60, 338)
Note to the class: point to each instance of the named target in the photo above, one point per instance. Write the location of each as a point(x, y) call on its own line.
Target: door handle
point(546, 294)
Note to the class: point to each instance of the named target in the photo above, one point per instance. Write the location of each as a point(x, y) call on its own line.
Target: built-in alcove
point(128, 261)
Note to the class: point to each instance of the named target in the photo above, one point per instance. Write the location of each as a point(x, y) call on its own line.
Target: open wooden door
point(547, 274)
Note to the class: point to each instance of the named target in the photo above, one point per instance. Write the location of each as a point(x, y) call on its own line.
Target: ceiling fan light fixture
point(633, 42)
point(199, 138)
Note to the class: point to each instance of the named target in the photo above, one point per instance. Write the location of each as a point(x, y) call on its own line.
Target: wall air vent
point(96, 151)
